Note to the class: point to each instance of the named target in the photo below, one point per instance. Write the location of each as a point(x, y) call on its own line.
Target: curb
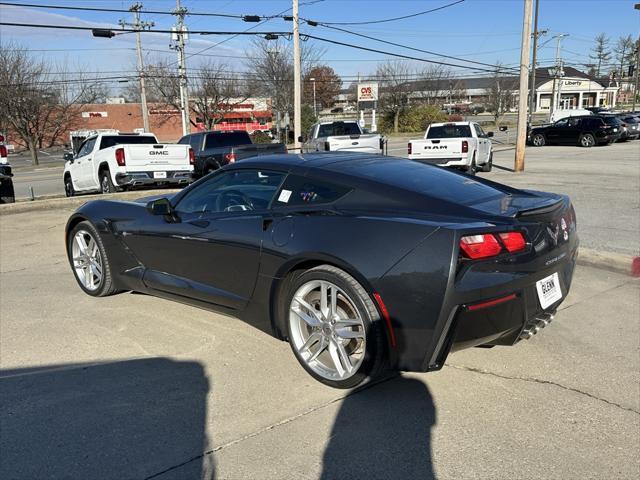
point(64, 203)
point(610, 261)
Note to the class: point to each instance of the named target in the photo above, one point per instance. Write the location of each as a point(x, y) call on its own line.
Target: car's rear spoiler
point(549, 206)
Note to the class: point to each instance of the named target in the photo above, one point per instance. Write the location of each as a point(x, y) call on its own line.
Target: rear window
point(611, 121)
point(111, 141)
point(433, 181)
point(306, 191)
point(449, 131)
point(215, 140)
point(338, 129)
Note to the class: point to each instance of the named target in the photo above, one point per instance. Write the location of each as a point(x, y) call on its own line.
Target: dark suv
point(586, 131)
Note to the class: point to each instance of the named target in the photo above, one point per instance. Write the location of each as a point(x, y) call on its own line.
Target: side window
point(561, 123)
point(572, 122)
point(236, 191)
point(184, 140)
point(306, 191)
point(479, 131)
point(87, 147)
point(194, 141)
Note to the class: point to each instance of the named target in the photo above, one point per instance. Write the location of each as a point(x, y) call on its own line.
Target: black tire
point(489, 165)
point(538, 140)
point(106, 286)
point(69, 191)
point(7, 194)
point(106, 185)
point(375, 361)
point(587, 140)
point(473, 168)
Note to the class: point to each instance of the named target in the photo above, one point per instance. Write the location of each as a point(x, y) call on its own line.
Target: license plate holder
point(549, 290)
point(159, 174)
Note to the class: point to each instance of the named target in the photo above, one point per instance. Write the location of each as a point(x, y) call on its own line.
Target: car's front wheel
point(106, 185)
point(89, 261)
point(69, 191)
point(334, 328)
point(487, 167)
point(538, 140)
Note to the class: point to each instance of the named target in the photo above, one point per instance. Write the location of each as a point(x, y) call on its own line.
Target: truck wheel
point(7, 194)
point(489, 165)
point(473, 168)
point(69, 191)
point(106, 185)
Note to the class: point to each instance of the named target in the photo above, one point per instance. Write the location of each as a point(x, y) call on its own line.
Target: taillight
point(192, 157)
point(513, 241)
point(230, 157)
point(409, 148)
point(480, 246)
point(486, 245)
point(120, 157)
point(3, 151)
point(465, 146)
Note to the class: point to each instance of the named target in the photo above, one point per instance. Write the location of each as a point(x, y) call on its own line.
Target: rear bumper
point(503, 315)
point(444, 162)
point(135, 179)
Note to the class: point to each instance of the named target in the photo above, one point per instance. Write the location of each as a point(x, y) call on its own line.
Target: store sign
point(572, 83)
point(94, 114)
point(367, 92)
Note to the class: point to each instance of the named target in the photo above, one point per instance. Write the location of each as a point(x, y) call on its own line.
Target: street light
point(315, 112)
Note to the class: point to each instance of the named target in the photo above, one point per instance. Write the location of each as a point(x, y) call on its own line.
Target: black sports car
point(363, 263)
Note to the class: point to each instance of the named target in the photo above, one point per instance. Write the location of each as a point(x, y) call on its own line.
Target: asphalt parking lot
point(132, 386)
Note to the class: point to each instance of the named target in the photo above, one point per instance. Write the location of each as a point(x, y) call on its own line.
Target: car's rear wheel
point(587, 140)
point(106, 185)
point(538, 140)
point(334, 328)
point(69, 191)
point(473, 168)
point(89, 260)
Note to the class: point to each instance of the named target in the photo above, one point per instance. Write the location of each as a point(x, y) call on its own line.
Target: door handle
point(89, 159)
point(266, 223)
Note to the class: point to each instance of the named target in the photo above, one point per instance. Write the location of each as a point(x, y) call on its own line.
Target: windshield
point(449, 131)
point(110, 141)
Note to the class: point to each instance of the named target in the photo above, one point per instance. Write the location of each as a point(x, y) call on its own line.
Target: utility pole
point(532, 79)
point(524, 77)
point(557, 73)
point(315, 110)
point(297, 128)
point(137, 25)
point(179, 38)
point(636, 66)
point(559, 65)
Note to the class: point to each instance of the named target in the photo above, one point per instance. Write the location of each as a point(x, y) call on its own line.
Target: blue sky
point(481, 30)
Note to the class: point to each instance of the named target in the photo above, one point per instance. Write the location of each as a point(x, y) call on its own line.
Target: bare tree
point(270, 65)
point(212, 90)
point(499, 95)
point(39, 103)
point(394, 88)
point(437, 83)
point(624, 53)
point(600, 52)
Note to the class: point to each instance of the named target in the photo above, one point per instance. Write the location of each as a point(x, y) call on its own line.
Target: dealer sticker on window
point(284, 196)
point(549, 291)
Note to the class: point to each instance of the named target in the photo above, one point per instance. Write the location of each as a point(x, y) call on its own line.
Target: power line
point(395, 18)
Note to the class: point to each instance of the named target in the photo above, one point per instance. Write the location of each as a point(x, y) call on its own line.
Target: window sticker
point(284, 196)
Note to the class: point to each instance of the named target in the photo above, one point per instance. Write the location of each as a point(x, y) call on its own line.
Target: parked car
point(630, 126)
point(215, 149)
point(362, 262)
point(107, 162)
point(584, 131)
point(7, 194)
point(461, 145)
point(341, 137)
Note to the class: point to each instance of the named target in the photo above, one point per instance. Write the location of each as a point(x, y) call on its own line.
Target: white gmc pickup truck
point(340, 137)
point(107, 162)
point(461, 145)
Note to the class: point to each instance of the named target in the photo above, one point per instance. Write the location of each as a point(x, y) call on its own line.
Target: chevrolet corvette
point(363, 263)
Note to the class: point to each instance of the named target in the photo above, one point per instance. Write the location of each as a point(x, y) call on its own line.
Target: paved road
point(131, 386)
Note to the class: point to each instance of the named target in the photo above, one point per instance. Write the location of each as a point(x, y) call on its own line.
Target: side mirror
point(489, 134)
point(302, 138)
point(68, 156)
point(161, 206)
point(503, 128)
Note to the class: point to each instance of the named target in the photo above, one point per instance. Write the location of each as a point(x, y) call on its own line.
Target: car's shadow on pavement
point(128, 419)
point(383, 432)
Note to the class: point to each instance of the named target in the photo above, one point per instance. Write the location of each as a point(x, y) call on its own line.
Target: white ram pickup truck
point(340, 137)
point(461, 145)
point(107, 162)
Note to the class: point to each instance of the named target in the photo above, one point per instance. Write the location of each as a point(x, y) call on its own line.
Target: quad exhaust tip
point(536, 325)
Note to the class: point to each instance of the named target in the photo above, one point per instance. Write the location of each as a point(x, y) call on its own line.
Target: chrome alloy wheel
point(327, 331)
point(87, 261)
